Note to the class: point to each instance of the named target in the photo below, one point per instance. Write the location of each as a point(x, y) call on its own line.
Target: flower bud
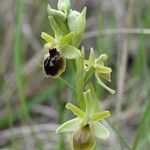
point(64, 5)
point(76, 22)
point(83, 139)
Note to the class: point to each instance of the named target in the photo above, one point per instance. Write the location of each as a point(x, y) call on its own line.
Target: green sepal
point(60, 20)
point(102, 58)
point(100, 131)
point(100, 115)
point(69, 126)
point(47, 37)
point(96, 103)
point(103, 85)
point(58, 32)
point(56, 13)
point(91, 57)
point(67, 38)
point(75, 110)
point(89, 102)
point(70, 52)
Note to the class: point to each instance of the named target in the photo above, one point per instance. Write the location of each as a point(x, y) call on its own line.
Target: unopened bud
point(64, 5)
point(76, 22)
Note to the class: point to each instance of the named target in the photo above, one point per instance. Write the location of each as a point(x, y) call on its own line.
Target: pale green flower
point(86, 123)
point(101, 71)
point(56, 52)
point(62, 45)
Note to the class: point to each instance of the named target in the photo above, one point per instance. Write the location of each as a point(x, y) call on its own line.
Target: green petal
point(100, 131)
point(69, 126)
point(100, 115)
point(103, 69)
point(70, 52)
point(103, 85)
point(47, 37)
point(67, 38)
point(92, 57)
point(77, 111)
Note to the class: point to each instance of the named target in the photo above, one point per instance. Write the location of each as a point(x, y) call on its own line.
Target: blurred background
point(32, 106)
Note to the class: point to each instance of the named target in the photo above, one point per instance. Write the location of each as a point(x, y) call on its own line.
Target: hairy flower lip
point(83, 138)
point(54, 63)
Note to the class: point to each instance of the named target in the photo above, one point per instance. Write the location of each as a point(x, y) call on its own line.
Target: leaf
point(70, 52)
point(69, 126)
point(100, 131)
point(47, 37)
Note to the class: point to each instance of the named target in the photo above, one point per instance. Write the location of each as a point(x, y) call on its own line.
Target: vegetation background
point(32, 106)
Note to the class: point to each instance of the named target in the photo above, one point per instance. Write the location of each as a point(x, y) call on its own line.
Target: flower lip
point(84, 138)
point(54, 63)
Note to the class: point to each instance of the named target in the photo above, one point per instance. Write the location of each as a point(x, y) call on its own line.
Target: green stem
point(88, 75)
point(79, 82)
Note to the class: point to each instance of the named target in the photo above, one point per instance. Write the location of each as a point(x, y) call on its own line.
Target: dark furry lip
point(54, 63)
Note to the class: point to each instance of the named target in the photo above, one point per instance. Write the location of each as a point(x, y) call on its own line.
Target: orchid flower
point(86, 126)
point(101, 71)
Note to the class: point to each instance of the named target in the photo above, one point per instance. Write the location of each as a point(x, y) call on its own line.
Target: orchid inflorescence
point(68, 26)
